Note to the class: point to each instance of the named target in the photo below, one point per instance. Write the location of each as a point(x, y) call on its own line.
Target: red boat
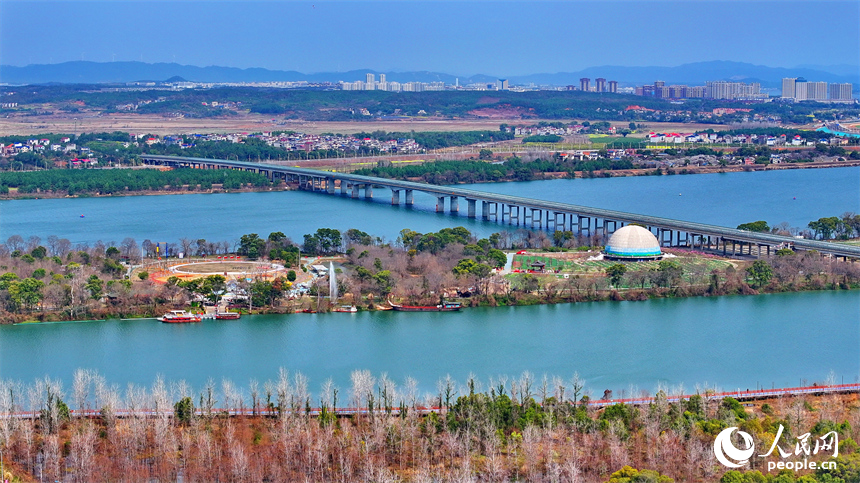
point(443, 307)
point(180, 316)
point(227, 315)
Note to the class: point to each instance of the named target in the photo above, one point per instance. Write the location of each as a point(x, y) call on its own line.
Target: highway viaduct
point(526, 212)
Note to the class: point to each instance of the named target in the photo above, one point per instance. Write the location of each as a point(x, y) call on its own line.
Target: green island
point(45, 280)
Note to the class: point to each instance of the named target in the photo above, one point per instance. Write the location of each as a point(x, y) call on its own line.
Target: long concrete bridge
point(526, 212)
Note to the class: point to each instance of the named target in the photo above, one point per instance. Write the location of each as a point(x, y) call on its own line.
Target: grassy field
point(577, 263)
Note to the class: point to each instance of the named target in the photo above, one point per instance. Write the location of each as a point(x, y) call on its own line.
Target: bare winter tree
point(15, 242)
point(186, 245)
point(32, 242)
point(130, 249)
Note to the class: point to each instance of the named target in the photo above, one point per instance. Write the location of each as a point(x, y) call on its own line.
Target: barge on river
point(443, 307)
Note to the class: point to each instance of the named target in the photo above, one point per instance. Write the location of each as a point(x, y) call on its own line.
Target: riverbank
point(13, 193)
point(302, 307)
point(513, 432)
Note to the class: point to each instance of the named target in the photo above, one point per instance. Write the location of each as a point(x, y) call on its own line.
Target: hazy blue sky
point(465, 38)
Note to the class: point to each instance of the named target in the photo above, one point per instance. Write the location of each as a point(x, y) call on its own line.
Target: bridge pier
point(343, 186)
point(440, 204)
point(409, 201)
point(539, 217)
point(471, 207)
point(395, 197)
point(455, 205)
point(587, 225)
point(355, 189)
point(555, 220)
point(368, 191)
point(329, 185)
point(485, 210)
point(514, 213)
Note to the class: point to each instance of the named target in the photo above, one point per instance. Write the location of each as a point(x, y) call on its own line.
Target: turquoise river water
point(729, 342)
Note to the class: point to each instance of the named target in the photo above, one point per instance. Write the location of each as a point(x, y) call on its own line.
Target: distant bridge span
point(528, 212)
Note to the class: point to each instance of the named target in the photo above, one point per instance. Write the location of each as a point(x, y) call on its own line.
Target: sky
point(503, 38)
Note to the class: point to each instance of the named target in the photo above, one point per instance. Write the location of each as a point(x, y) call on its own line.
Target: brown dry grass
point(156, 124)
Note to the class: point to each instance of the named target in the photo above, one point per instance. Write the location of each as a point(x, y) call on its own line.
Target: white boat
point(180, 316)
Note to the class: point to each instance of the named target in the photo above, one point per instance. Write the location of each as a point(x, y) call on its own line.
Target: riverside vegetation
point(513, 429)
point(59, 281)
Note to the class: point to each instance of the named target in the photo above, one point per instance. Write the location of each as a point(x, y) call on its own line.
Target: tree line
point(844, 227)
point(109, 181)
point(438, 140)
point(472, 171)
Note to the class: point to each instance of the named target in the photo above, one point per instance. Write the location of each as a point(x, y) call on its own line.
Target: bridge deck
point(703, 229)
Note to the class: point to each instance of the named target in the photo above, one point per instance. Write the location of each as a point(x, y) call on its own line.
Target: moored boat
point(180, 316)
point(227, 315)
point(443, 307)
point(346, 308)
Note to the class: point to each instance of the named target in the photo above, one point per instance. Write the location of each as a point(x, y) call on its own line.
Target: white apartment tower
point(816, 91)
point(370, 82)
point(840, 92)
point(788, 87)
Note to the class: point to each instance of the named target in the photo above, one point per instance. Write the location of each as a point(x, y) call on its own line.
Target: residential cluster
point(799, 89)
point(295, 141)
point(716, 138)
point(371, 84)
point(711, 90)
point(82, 154)
point(600, 85)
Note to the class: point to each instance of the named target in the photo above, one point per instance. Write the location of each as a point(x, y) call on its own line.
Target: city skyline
point(468, 38)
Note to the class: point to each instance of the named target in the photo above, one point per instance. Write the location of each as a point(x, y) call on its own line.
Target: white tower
point(332, 283)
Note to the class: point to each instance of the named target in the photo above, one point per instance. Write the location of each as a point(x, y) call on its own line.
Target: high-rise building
point(504, 84)
point(613, 86)
point(733, 90)
point(370, 82)
point(788, 87)
point(816, 91)
point(583, 84)
point(659, 83)
point(600, 84)
point(677, 92)
point(800, 89)
point(840, 92)
point(382, 85)
point(696, 92)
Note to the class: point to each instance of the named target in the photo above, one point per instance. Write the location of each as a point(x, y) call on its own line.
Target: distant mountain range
point(83, 72)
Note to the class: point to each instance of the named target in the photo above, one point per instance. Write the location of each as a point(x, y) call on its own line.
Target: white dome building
point(632, 242)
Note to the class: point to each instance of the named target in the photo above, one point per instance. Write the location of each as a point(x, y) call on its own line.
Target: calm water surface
point(795, 196)
point(728, 341)
point(731, 342)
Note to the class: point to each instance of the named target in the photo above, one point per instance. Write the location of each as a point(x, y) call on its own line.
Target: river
point(730, 342)
point(724, 342)
point(727, 199)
